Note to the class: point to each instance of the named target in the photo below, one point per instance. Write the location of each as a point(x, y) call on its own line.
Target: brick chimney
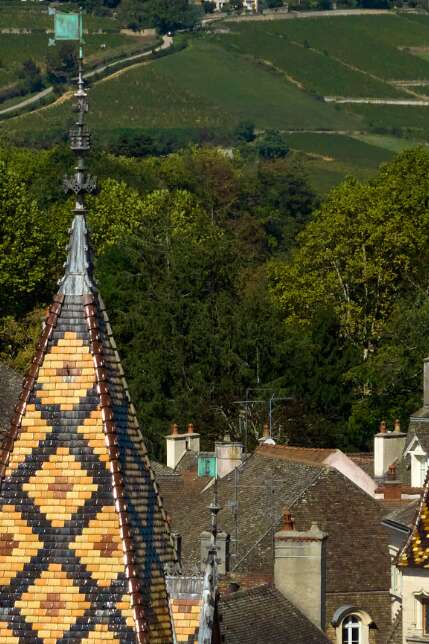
point(391, 487)
point(300, 568)
point(388, 447)
point(229, 455)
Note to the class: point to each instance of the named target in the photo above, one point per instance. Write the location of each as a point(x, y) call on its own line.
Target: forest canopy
point(224, 276)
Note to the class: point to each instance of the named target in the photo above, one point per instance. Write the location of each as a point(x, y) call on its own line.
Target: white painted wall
point(415, 582)
point(346, 466)
point(387, 448)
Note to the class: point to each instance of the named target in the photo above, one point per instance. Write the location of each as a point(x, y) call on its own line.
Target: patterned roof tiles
point(83, 536)
point(415, 552)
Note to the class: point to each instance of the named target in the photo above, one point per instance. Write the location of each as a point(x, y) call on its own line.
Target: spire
point(78, 278)
point(84, 536)
point(208, 608)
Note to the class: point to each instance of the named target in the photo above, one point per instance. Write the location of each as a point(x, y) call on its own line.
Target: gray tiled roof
point(263, 616)
point(266, 486)
point(405, 515)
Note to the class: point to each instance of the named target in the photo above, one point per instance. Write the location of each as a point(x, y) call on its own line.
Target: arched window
point(352, 630)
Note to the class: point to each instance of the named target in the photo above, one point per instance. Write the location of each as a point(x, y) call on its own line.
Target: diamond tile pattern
point(83, 535)
point(415, 552)
point(186, 618)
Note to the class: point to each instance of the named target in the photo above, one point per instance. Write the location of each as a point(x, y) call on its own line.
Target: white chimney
point(229, 455)
point(300, 568)
point(192, 439)
point(178, 444)
point(388, 447)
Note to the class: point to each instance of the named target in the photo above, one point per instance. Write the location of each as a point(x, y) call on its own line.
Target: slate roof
point(312, 492)
point(10, 388)
point(263, 616)
point(421, 430)
point(404, 516)
point(260, 504)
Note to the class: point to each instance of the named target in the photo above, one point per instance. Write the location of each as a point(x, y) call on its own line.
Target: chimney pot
point(392, 472)
point(190, 428)
point(174, 429)
point(383, 427)
point(397, 426)
point(288, 521)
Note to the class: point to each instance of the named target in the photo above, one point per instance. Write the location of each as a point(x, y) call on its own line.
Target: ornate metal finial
point(77, 279)
point(80, 143)
point(210, 577)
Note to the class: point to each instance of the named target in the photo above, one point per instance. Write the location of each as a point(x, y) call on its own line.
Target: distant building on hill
point(248, 5)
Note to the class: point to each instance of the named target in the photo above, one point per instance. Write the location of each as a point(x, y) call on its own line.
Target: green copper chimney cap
point(207, 466)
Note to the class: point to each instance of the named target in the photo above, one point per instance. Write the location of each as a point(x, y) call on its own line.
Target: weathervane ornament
point(69, 27)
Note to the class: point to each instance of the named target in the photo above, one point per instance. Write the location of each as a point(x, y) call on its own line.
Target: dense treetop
point(226, 275)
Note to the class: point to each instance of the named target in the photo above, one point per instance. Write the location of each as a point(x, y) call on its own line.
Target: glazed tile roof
point(415, 552)
point(84, 540)
point(264, 616)
point(78, 493)
point(186, 601)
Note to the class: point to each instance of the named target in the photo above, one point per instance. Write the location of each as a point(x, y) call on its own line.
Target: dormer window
point(352, 625)
point(419, 462)
point(352, 630)
point(420, 466)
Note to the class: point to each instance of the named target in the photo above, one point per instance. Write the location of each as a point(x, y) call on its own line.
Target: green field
point(273, 74)
point(343, 149)
point(201, 86)
point(315, 70)
point(15, 49)
point(368, 43)
point(34, 16)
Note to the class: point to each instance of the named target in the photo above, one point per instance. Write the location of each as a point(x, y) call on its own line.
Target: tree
point(61, 63)
point(26, 253)
point(245, 131)
point(272, 145)
point(209, 7)
point(165, 15)
point(31, 76)
point(367, 245)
